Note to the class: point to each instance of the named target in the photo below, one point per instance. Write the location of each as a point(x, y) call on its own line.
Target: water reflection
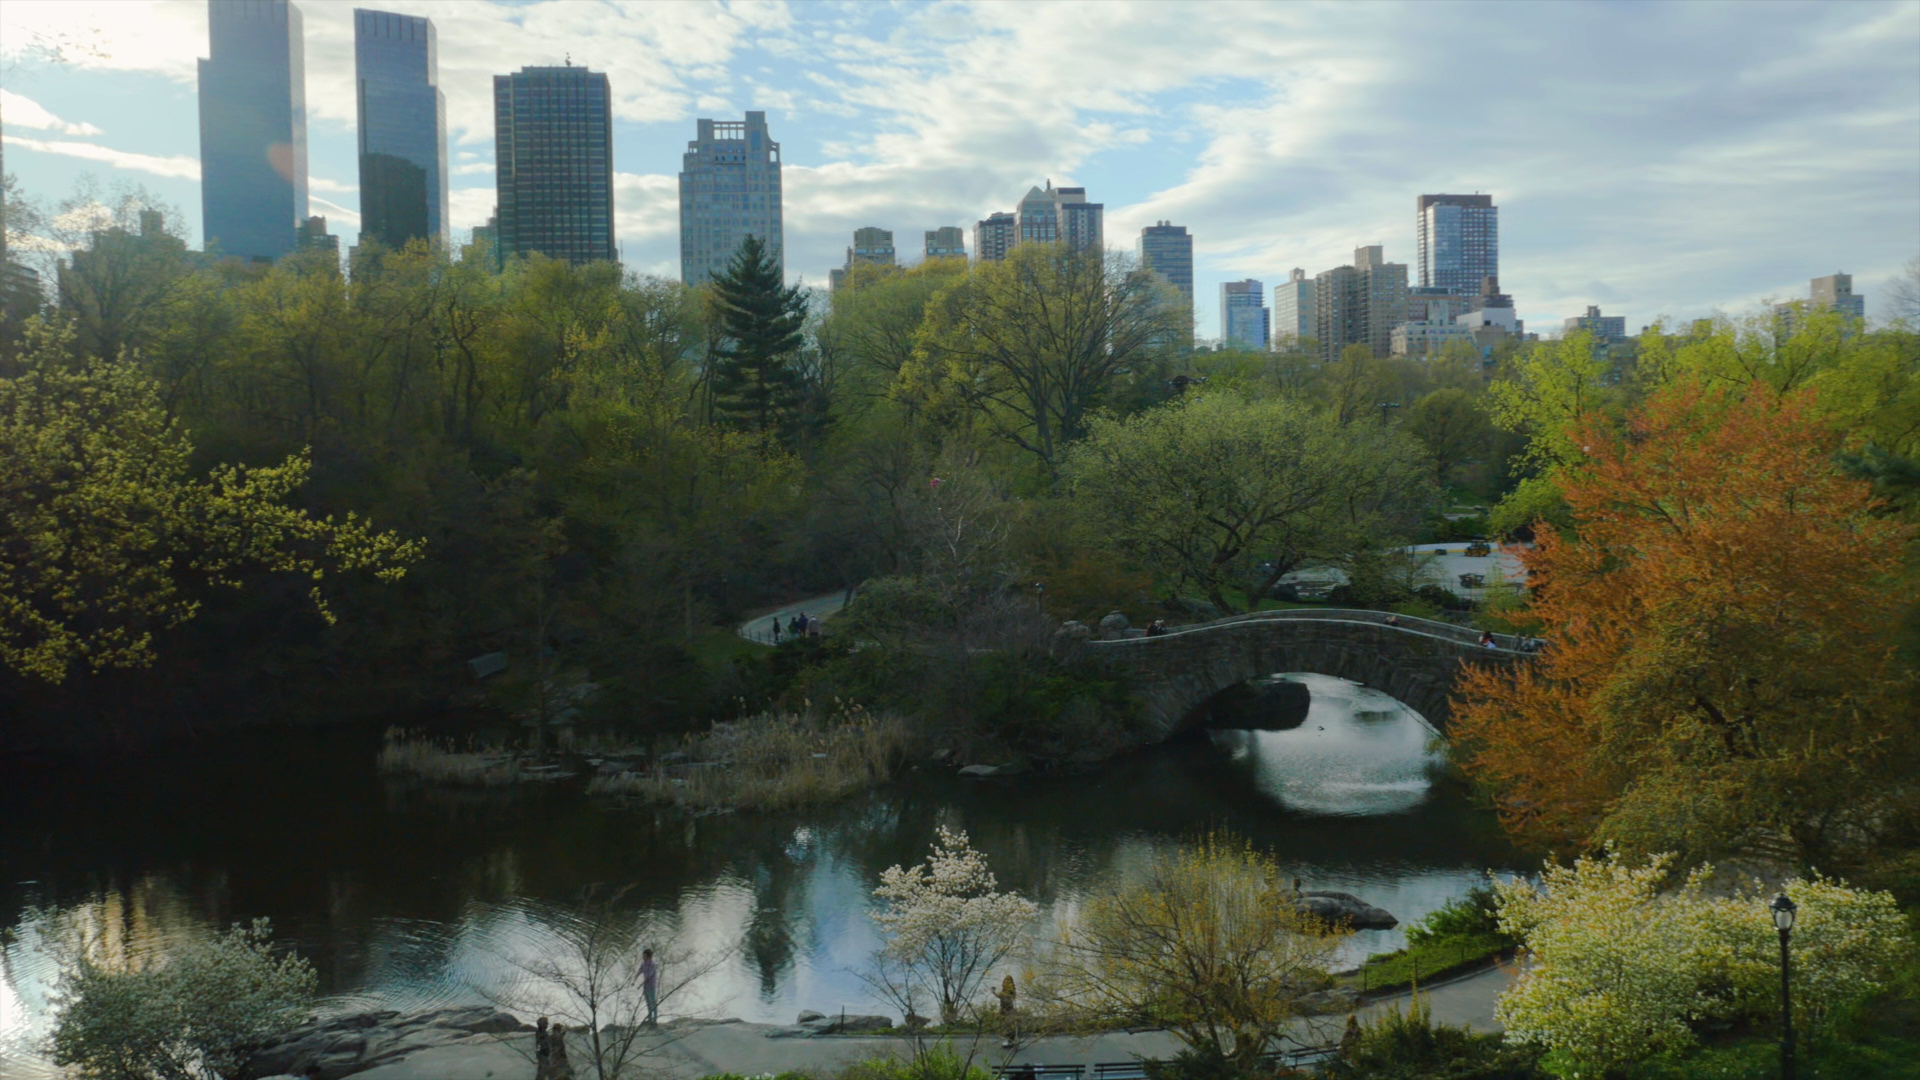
point(406, 897)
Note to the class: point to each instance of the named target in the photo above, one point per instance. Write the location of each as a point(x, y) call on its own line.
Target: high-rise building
point(403, 129)
point(1293, 310)
point(1243, 315)
point(553, 163)
point(1054, 215)
point(1605, 329)
point(1167, 250)
point(1359, 304)
point(1833, 292)
point(729, 190)
point(1492, 308)
point(1459, 241)
point(313, 236)
point(995, 235)
point(872, 246)
point(946, 242)
point(253, 128)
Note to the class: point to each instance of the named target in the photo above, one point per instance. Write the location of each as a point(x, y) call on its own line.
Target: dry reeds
point(773, 762)
point(412, 753)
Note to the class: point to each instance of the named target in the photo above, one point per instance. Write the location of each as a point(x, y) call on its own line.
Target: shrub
point(199, 1014)
point(1409, 1046)
point(1476, 913)
point(774, 761)
point(938, 1062)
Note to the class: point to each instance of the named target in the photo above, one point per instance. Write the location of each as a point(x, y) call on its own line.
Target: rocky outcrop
point(1113, 626)
point(1346, 909)
point(344, 1045)
point(813, 1024)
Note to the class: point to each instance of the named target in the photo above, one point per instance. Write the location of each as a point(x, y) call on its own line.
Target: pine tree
point(757, 384)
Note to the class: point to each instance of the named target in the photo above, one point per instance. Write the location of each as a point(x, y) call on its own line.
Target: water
point(407, 897)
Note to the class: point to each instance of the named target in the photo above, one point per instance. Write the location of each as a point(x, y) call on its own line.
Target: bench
point(1040, 1072)
point(1120, 1070)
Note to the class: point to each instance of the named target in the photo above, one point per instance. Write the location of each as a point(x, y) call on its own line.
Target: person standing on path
point(650, 986)
point(776, 629)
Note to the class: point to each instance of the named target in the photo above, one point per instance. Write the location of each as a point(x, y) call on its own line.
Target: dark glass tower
point(1459, 241)
point(553, 162)
point(403, 128)
point(253, 128)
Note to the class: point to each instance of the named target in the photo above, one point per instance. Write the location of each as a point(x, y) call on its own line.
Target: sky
point(1652, 158)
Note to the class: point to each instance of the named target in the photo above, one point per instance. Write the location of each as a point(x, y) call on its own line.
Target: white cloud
point(28, 113)
point(338, 217)
point(177, 165)
point(332, 187)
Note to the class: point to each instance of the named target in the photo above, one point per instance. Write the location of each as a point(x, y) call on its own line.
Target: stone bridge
point(1416, 661)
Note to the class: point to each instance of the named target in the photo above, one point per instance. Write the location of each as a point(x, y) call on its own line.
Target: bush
point(1208, 1063)
point(1408, 1046)
point(1476, 913)
point(199, 1014)
point(938, 1062)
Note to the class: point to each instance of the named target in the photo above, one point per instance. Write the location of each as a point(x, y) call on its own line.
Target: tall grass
point(411, 753)
point(773, 761)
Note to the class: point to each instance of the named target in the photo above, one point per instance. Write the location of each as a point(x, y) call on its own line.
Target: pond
point(405, 896)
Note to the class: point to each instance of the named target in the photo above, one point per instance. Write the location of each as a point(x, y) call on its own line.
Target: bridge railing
point(1405, 623)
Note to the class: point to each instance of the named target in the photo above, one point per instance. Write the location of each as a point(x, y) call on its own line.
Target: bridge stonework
point(1416, 661)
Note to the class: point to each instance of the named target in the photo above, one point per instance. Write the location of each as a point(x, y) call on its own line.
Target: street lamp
point(1783, 911)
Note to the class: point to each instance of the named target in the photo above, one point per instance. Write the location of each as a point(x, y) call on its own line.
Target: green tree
point(1211, 489)
point(1452, 426)
point(757, 385)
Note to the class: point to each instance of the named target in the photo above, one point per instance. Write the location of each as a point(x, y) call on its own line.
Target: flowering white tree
point(1621, 967)
point(946, 927)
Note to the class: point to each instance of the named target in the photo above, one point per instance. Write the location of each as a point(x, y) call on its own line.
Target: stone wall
point(1416, 662)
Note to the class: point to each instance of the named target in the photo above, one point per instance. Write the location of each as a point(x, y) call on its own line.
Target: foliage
point(1217, 491)
point(940, 1061)
point(1409, 1046)
point(774, 761)
point(1622, 969)
point(1722, 653)
point(108, 539)
point(1475, 913)
point(946, 929)
point(1208, 942)
point(199, 1013)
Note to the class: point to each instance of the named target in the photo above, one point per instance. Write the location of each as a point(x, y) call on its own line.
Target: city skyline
point(1329, 135)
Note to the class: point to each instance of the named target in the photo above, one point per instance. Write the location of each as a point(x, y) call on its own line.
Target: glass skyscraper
point(729, 190)
point(403, 128)
point(1459, 241)
point(1244, 315)
point(253, 128)
point(553, 163)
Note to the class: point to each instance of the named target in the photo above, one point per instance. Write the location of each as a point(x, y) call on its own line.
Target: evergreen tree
point(757, 383)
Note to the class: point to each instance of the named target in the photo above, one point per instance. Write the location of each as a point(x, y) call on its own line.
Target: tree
point(1030, 345)
point(1452, 427)
point(947, 929)
point(198, 1014)
point(1552, 388)
point(1209, 942)
point(1903, 293)
point(1706, 681)
point(756, 385)
point(1625, 962)
point(104, 536)
point(1230, 495)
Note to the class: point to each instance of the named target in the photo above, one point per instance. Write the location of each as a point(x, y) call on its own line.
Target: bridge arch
point(1416, 661)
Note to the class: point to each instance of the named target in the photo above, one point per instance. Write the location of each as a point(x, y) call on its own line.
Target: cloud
point(25, 112)
point(339, 218)
point(178, 165)
point(333, 187)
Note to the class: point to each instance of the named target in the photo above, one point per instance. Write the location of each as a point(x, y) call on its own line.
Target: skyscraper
point(403, 128)
point(872, 246)
point(1054, 215)
point(1293, 310)
point(1243, 314)
point(1359, 304)
point(1459, 241)
point(553, 163)
point(946, 242)
point(995, 235)
point(1167, 250)
point(253, 128)
point(1833, 292)
point(729, 190)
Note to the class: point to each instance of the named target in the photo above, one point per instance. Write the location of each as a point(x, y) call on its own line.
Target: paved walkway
point(744, 1048)
point(760, 627)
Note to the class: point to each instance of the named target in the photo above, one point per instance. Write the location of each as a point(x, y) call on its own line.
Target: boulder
point(1073, 630)
point(1348, 910)
point(1113, 626)
point(344, 1045)
point(979, 770)
point(856, 1025)
point(809, 1016)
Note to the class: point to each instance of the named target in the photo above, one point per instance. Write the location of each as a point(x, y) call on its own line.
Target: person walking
point(558, 1067)
point(776, 629)
point(1486, 640)
point(542, 1050)
point(650, 986)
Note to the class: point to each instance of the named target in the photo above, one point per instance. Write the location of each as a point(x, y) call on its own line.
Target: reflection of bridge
point(1416, 661)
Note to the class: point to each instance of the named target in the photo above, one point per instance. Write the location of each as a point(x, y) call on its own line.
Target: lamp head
point(1783, 911)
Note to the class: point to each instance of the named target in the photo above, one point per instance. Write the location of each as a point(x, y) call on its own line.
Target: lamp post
point(1783, 911)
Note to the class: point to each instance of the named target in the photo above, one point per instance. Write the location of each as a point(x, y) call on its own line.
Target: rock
point(855, 1025)
point(942, 754)
point(1074, 630)
point(1347, 909)
point(808, 1017)
point(1113, 626)
point(979, 770)
point(344, 1045)
point(812, 1024)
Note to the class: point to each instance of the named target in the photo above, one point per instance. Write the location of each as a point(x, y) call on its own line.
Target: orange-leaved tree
point(1721, 621)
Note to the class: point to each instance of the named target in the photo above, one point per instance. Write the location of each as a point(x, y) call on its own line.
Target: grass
point(1425, 961)
point(716, 645)
point(772, 762)
point(411, 753)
